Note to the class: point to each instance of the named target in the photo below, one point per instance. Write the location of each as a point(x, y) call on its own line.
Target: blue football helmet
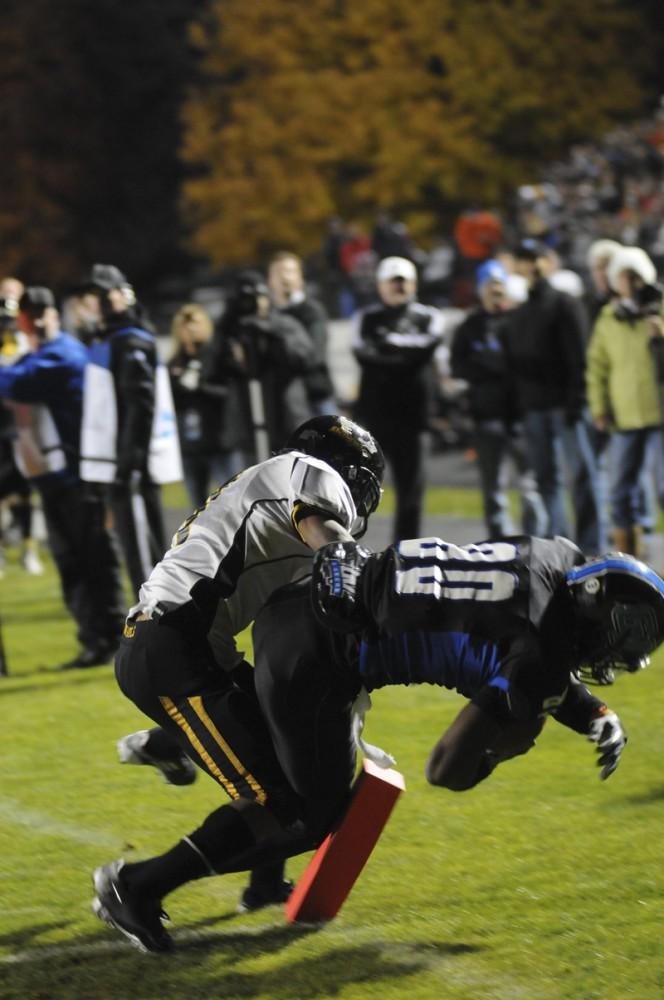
point(619, 608)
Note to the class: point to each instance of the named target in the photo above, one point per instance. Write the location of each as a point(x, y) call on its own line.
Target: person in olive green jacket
point(623, 377)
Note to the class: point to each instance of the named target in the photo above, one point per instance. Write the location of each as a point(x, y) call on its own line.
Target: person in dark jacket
point(85, 553)
point(478, 357)
point(116, 452)
point(199, 406)
point(289, 294)
point(545, 341)
point(263, 356)
point(394, 342)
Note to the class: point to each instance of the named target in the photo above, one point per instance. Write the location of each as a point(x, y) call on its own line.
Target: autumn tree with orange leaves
point(309, 109)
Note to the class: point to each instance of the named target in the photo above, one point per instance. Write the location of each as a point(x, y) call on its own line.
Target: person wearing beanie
point(478, 358)
point(625, 366)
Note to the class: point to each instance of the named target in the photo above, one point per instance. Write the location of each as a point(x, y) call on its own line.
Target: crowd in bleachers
point(546, 273)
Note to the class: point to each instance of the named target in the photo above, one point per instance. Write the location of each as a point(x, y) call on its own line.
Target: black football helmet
point(351, 450)
point(619, 609)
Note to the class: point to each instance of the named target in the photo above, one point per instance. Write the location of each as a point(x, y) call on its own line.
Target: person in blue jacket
point(50, 378)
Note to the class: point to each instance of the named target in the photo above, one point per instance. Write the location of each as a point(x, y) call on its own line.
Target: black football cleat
point(176, 768)
point(255, 899)
point(139, 919)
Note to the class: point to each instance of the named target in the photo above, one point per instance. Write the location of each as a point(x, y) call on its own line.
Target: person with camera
point(624, 374)
point(262, 355)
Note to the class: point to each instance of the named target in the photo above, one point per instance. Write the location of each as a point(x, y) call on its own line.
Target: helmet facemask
point(619, 610)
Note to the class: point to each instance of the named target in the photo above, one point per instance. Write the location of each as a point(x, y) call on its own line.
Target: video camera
point(645, 300)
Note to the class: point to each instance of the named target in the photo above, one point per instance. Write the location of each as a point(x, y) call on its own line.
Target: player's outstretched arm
point(582, 711)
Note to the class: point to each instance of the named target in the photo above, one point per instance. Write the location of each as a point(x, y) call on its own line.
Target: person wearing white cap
point(394, 342)
point(625, 354)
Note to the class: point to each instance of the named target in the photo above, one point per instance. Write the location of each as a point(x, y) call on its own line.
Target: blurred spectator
point(51, 378)
point(80, 314)
point(290, 296)
point(15, 490)
point(562, 278)
point(390, 238)
point(334, 277)
point(129, 439)
point(358, 262)
point(599, 257)
point(262, 354)
point(516, 286)
point(625, 371)
point(436, 279)
point(545, 340)
point(394, 342)
point(478, 357)
point(199, 406)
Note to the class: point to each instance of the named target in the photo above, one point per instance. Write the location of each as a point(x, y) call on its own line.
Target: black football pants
point(170, 674)
point(306, 693)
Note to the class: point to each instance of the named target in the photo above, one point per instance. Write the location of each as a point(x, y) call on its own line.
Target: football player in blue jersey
point(515, 626)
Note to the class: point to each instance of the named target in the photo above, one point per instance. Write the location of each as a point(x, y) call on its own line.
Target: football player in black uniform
point(178, 661)
point(512, 625)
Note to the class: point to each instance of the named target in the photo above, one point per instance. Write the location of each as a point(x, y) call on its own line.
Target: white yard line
point(45, 824)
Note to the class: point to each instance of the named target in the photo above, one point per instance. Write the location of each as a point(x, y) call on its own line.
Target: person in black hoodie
point(545, 340)
point(478, 357)
point(394, 342)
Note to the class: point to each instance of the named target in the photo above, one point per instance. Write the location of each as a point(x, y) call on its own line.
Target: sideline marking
point(44, 824)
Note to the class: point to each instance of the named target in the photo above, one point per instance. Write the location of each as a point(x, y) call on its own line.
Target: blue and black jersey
point(471, 618)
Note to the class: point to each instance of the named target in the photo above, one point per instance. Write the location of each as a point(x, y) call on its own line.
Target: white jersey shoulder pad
point(316, 484)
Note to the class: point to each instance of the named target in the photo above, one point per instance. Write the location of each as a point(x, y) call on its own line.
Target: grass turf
point(541, 883)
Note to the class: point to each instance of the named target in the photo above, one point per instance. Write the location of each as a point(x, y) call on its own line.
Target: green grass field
point(541, 883)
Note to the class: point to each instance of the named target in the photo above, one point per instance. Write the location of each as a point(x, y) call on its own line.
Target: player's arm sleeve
point(316, 489)
point(136, 395)
point(578, 707)
point(27, 379)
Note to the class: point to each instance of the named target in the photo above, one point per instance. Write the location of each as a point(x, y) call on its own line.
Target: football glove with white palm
point(607, 732)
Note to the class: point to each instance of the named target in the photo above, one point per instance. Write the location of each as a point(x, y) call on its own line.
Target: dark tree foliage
point(90, 131)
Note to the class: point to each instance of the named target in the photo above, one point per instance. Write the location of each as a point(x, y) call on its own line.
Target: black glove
point(335, 581)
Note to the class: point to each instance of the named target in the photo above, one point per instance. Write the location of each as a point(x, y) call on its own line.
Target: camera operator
point(624, 361)
point(262, 355)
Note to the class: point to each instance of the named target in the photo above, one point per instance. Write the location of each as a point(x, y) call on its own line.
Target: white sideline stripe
point(44, 825)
